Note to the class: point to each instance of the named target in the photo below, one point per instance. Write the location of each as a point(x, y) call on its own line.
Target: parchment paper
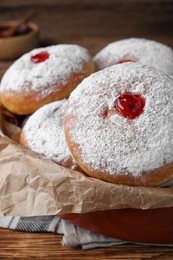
point(33, 185)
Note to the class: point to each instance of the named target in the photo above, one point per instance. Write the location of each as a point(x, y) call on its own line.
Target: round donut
point(118, 125)
point(44, 75)
point(43, 133)
point(140, 50)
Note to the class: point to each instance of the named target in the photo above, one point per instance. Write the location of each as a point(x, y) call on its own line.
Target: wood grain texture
point(21, 245)
point(92, 24)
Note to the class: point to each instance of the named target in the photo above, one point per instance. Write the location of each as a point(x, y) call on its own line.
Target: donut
point(43, 133)
point(140, 50)
point(119, 125)
point(1, 123)
point(44, 75)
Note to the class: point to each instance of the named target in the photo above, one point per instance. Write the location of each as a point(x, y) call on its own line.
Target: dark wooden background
point(93, 24)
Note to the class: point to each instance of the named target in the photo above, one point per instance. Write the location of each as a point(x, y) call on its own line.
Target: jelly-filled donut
point(119, 125)
point(43, 133)
point(140, 50)
point(44, 75)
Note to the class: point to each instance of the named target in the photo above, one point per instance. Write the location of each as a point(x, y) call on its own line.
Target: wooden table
point(92, 24)
point(20, 245)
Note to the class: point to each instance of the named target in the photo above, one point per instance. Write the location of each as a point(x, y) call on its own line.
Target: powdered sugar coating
point(115, 144)
point(141, 50)
point(64, 59)
point(44, 133)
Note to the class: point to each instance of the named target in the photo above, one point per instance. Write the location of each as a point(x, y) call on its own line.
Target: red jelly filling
point(104, 112)
point(40, 57)
point(123, 61)
point(129, 105)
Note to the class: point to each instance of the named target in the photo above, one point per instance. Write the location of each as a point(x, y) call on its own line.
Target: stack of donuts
point(110, 116)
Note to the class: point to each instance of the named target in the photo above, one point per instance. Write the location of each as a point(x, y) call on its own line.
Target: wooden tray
point(146, 226)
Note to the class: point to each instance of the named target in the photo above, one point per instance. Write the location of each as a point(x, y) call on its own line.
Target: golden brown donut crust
point(75, 125)
point(23, 104)
point(154, 178)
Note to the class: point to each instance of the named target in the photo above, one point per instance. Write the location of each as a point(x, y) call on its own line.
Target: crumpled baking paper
point(31, 185)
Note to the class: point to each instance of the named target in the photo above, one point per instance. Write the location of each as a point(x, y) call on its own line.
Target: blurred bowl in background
point(12, 47)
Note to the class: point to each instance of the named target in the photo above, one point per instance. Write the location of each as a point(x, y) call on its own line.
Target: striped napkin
point(73, 236)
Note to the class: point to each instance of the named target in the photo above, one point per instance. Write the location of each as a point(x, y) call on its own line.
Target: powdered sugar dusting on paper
point(44, 133)
point(145, 51)
point(114, 143)
point(64, 59)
